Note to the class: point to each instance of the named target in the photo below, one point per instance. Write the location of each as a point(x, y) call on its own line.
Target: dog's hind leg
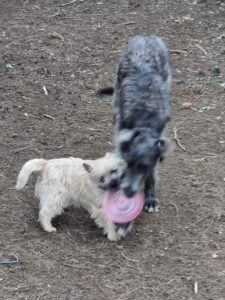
point(151, 202)
point(51, 205)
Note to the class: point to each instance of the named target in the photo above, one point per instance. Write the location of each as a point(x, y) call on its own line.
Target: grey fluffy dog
point(142, 112)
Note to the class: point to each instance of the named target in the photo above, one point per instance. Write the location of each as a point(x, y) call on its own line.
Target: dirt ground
point(72, 50)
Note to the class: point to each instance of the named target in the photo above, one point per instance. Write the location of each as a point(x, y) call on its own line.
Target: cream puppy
point(73, 181)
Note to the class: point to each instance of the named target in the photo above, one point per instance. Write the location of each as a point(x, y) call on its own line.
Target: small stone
point(9, 66)
point(179, 82)
point(201, 73)
point(214, 255)
point(216, 71)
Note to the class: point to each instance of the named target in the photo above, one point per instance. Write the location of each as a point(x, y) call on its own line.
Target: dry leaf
point(186, 105)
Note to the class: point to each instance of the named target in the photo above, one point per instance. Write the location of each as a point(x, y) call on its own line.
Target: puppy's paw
point(123, 229)
point(152, 205)
point(113, 236)
point(50, 229)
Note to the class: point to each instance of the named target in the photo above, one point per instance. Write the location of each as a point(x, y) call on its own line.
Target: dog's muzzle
point(132, 182)
point(129, 192)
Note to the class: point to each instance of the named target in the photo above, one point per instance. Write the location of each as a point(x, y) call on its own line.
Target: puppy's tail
point(106, 91)
point(33, 165)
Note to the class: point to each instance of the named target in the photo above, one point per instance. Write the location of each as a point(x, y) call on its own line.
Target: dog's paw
point(123, 229)
point(152, 205)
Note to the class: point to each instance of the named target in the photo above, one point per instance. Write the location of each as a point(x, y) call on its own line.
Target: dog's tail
point(33, 165)
point(106, 91)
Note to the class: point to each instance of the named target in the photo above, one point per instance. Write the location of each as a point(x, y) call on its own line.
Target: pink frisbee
point(121, 209)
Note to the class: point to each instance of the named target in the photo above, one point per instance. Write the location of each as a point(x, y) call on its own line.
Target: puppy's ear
point(109, 154)
point(87, 167)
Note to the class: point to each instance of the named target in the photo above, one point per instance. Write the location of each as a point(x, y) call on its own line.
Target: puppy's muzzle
point(114, 184)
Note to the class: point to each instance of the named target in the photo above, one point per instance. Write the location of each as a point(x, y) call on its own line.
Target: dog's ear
point(87, 167)
point(124, 146)
point(125, 135)
point(122, 71)
point(162, 147)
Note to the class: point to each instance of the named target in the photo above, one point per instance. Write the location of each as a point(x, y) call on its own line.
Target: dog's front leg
point(123, 229)
point(151, 202)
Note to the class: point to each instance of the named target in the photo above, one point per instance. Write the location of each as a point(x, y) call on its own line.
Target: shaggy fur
point(73, 181)
point(142, 112)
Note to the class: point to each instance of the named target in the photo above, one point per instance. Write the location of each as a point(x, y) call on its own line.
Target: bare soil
point(72, 50)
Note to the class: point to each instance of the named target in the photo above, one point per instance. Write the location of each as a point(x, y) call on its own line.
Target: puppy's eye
point(115, 171)
point(102, 179)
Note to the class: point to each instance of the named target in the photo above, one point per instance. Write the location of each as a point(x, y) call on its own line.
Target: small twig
point(175, 130)
point(204, 232)
point(203, 50)
point(176, 208)
point(124, 296)
point(212, 154)
point(45, 90)
point(20, 149)
point(132, 260)
point(177, 51)
point(127, 23)
point(129, 259)
point(48, 116)
point(69, 3)
point(96, 129)
point(55, 15)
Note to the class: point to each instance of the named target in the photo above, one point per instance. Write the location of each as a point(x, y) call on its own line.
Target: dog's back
point(148, 52)
point(143, 83)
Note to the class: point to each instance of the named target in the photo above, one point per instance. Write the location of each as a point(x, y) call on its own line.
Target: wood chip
point(186, 105)
point(196, 288)
point(56, 35)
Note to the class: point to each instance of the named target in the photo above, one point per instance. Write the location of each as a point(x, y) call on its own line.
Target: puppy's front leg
point(151, 202)
point(107, 225)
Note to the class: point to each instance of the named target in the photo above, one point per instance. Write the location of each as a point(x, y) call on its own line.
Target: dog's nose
point(129, 192)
